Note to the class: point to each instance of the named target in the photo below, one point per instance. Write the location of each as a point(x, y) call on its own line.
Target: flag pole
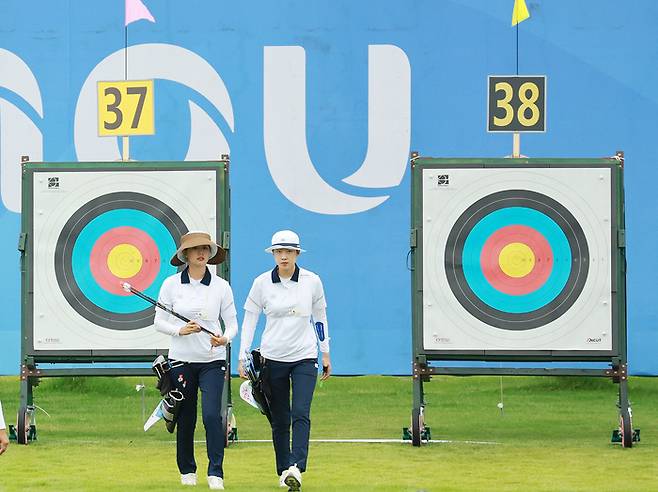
point(125, 151)
point(135, 10)
point(516, 137)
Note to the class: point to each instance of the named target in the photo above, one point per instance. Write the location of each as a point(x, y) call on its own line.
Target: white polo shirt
point(288, 305)
point(203, 301)
point(2, 418)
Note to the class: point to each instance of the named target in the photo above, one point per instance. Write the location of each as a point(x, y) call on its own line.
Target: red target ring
point(106, 259)
point(543, 257)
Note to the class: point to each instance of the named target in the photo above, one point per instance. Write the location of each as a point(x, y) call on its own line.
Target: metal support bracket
point(421, 371)
point(22, 241)
point(29, 372)
point(618, 372)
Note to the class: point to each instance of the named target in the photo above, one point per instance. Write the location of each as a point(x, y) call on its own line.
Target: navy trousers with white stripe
point(303, 375)
point(189, 378)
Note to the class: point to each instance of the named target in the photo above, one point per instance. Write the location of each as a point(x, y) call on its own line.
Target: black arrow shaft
point(165, 308)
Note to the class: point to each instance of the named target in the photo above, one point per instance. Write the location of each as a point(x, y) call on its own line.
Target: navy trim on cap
point(185, 277)
point(276, 279)
point(284, 245)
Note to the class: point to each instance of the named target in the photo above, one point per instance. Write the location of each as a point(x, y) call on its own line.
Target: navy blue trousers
point(189, 378)
point(278, 376)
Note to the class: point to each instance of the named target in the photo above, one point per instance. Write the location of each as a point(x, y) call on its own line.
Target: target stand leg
point(26, 430)
point(418, 429)
point(228, 418)
point(626, 435)
point(625, 417)
point(418, 432)
point(230, 429)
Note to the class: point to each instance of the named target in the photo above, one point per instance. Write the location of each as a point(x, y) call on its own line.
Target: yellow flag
point(520, 12)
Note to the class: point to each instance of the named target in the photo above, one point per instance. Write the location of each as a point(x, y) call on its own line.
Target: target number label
point(516, 104)
point(126, 108)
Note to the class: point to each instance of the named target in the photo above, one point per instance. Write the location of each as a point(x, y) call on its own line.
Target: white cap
point(285, 240)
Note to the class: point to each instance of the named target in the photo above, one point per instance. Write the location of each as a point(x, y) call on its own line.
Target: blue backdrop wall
point(319, 103)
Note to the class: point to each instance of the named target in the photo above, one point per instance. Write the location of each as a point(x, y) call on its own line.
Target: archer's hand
point(4, 440)
point(189, 328)
point(218, 341)
point(241, 370)
point(326, 366)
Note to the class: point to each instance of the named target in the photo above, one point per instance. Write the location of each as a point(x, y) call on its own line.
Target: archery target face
point(95, 230)
point(517, 259)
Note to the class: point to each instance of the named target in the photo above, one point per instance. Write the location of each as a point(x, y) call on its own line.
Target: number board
point(516, 103)
point(125, 108)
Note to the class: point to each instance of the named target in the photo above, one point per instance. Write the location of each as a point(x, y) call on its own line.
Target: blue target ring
point(546, 218)
point(517, 216)
point(93, 231)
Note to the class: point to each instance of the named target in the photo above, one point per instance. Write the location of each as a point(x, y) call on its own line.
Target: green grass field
point(554, 435)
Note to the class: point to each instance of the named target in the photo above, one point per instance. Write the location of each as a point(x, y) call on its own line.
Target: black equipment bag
point(259, 383)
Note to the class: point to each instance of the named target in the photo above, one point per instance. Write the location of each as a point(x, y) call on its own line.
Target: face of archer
point(285, 258)
point(198, 256)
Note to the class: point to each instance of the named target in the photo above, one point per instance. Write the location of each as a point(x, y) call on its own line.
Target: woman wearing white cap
point(198, 360)
point(292, 299)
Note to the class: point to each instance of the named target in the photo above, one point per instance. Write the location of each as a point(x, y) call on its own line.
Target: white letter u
point(284, 129)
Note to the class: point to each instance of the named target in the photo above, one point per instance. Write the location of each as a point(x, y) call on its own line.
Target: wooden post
point(516, 145)
point(125, 155)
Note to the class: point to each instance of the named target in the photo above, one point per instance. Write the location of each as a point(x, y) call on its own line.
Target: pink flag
point(136, 10)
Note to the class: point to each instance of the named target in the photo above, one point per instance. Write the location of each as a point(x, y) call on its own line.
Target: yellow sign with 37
point(126, 108)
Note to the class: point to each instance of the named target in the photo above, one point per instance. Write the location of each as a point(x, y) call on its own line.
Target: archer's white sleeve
point(254, 302)
point(2, 418)
point(229, 315)
point(249, 323)
point(163, 321)
point(230, 326)
point(320, 316)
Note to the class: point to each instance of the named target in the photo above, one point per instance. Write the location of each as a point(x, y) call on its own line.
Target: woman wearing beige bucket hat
point(198, 360)
point(292, 299)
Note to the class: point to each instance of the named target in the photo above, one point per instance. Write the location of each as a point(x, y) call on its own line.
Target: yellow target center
point(516, 260)
point(124, 261)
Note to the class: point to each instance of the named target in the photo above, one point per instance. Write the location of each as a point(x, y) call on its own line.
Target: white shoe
point(293, 478)
point(216, 483)
point(188, 479)
point(282, 478)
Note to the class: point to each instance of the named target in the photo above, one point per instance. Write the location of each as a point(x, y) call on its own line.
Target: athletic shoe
point(293, 478)
point(216, 483)
point(188, 479)
point(282, 482)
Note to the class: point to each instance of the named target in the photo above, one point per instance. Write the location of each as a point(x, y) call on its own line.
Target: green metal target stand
point(53, 192)
point(450, 320)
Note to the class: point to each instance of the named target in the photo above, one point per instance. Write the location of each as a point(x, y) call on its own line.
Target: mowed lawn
point(554, 434)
